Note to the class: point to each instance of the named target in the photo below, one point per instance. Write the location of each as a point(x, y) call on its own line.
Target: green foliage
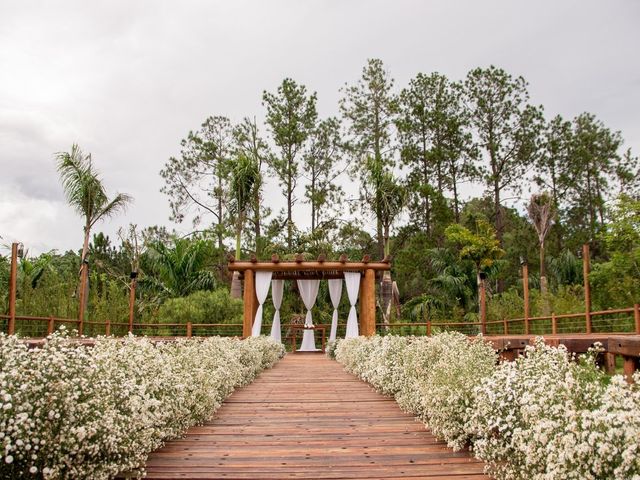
point(84, 190)
point(481, 247)
point(202, 307)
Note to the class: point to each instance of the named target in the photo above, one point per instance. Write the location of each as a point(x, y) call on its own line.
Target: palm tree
point(541, 213)
point(179, 268)
point(387, 201)
point(245, 177)
point(86, 193)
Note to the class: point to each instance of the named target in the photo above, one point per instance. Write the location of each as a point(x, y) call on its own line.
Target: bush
point(69, 411)
point(202, 307)
point(547, 416)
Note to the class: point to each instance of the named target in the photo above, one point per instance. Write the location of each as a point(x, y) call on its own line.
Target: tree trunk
point(499, 225)
point(386, 292)
point(289, 214)
point(256, 218)
point(546, 306)
point(84, 279)
point(236, 285)
point(456, 205)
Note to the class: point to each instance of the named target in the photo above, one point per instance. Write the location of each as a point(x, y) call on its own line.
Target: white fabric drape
point(309, 293)
point(263, 280)
point(277, 287)
point(352, 279)
point(335, 292)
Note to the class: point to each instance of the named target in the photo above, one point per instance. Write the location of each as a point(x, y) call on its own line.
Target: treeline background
point(390, 175)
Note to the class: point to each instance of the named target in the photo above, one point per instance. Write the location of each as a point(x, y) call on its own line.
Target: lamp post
point(17, 251)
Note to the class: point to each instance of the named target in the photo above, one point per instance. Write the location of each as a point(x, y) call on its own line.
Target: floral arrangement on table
point(71, 411)
point(548, 415)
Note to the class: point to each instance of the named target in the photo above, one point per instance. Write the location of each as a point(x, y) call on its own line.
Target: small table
point(303, 327)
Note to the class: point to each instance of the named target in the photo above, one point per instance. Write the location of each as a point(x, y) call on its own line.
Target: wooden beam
point(249, 299)
point(307, 266)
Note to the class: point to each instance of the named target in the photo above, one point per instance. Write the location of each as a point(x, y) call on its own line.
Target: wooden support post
point(50, 325)
point(505, 326)
point(525, 288)
point(107, 328)
point(13, 281)
point(428, 327)
point(636, 316)
point(483, 305)
point(508, 355)
point(587, 288)
point(629, 367)
point(250, 303)
point(361, 305)
point(368, 307)
point(554, 324)
point(132, 298)
point(189, 329)
point(610, 363)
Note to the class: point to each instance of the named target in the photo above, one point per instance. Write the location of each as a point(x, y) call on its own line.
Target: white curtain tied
point(308, 292)
point(335, 292)
point(352, 279)
point(277, 287)
point(263, 280)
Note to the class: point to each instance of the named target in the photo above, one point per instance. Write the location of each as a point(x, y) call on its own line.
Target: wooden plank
point(308, 418)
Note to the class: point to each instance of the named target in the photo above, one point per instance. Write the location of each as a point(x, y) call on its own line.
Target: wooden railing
point(624, 321)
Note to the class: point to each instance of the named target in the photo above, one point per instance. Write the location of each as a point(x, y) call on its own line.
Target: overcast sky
point(128, 79)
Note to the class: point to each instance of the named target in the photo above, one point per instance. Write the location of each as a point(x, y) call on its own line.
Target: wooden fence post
point(50, 325)
point(107, 328)
point(428, 327)
point(483, 304)
point(189, 326)
point(554, 324)
point(13, 281)
point(505, 326)
point(587, 289)
point(629, 367)
point(525, 288)
point(636, 316)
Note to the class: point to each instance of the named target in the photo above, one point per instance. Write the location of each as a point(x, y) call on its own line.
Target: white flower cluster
point(70, 411)
point(548, 416)
point(545, 416)
point(431, 377)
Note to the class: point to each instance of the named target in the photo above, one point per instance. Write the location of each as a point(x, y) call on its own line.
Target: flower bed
point(544, 416)
point(69, 411)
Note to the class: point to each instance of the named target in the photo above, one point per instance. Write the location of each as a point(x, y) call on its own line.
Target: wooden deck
point(308, 418)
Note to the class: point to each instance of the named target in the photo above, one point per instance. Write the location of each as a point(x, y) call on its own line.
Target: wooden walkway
point(308, 418)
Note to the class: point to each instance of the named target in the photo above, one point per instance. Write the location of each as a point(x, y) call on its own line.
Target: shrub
point(202, 307)
point(69, 411)
point(548, 416)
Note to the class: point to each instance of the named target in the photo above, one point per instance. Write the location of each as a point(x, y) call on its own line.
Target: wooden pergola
point(311, 270)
